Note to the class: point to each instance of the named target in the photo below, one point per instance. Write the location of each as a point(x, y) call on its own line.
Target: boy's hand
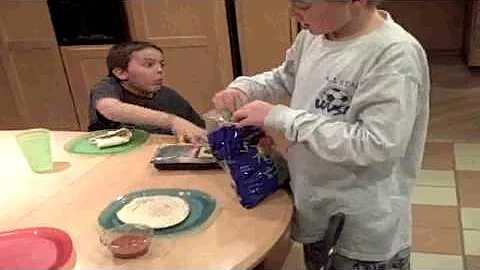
point(188, 132)
point(254, 113)
point(230, 99)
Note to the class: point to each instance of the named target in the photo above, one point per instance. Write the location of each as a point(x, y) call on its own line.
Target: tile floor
point(446, 210)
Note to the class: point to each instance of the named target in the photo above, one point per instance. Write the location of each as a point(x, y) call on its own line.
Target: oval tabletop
point(236, 238)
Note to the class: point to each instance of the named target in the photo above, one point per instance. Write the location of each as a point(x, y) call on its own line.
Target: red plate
point(35, 248)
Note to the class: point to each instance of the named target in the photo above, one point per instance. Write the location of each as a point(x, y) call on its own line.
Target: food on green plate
point(205, 152)
point(159, 211)
point(112, 138)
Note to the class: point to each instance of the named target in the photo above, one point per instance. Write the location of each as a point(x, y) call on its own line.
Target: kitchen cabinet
point(33, 84)
point(438, 25)
point(472, 37)
point(85, 66)
point(265, 32)
point(193, 35)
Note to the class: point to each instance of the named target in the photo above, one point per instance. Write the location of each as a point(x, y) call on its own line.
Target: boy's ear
point(120, 73)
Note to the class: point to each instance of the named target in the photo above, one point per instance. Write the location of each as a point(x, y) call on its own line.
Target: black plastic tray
point(182, 157)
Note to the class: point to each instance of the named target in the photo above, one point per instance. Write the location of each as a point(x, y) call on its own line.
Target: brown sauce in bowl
point(129, 246)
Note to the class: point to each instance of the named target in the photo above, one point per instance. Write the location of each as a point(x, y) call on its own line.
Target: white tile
point(435, 196)
point(471, 242)
point(467, 149)
point(471, 218)
point(435, 261)
point(436, 178)
point(294, 259)
point(467, 163)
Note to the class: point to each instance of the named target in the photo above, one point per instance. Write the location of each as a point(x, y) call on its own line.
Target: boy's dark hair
point(374, 3)
point(120, 54)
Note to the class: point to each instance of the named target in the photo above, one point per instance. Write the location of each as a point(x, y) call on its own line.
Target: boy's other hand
point(187, 132)
point(230, 99)
point(254, 114)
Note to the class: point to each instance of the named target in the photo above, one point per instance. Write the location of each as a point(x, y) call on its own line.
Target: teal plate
point(82, 145)
point(202, 207)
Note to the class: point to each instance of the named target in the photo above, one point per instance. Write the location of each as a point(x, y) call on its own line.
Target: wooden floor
point(455, 101)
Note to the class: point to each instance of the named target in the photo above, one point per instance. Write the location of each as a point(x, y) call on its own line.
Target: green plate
point(202, 207)
point(81, 145)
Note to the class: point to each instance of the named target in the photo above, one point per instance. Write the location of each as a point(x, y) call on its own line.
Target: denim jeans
point(312, 252)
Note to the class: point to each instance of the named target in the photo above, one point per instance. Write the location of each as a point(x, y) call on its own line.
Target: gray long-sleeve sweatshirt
point(356, 128)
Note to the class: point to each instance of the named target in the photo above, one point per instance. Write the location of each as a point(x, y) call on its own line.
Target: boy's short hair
point(374, 3)
point(120, 54)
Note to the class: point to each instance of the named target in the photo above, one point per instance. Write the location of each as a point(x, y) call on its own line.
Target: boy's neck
point(134, 90)
point(363, 23)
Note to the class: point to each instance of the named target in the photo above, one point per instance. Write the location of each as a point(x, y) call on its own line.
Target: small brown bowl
point(127, 241)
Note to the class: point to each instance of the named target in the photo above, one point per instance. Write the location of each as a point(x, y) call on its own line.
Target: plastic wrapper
point(247, 154)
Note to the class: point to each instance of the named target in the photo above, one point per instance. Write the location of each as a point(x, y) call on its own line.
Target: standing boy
point(356, 126)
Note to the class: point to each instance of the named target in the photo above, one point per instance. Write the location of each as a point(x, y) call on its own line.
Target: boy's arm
point(187, 111)
point(276, 84)
point(106, 98)
point(119, 111)
point(386, 105)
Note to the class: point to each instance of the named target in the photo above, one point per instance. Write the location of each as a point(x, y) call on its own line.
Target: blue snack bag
point(249, 161)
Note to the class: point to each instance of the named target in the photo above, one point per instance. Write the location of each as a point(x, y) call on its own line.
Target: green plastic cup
point(35, 146)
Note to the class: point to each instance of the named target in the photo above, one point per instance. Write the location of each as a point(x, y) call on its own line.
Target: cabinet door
point(85, 66)
point(421, 18)
point(32, 77)
point(194, 37)
point(265, 33)
point(472, 36)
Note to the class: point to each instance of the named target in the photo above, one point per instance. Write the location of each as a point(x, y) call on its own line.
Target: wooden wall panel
point(438, 25)
point(85, 66)
point(10, 118)
point(472, 36)
point(42, 86)
point(265, 34)
point(26, 20)
point(34, 76)
point(200, 84)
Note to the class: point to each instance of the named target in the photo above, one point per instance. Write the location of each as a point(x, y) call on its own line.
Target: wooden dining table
point(73, 194)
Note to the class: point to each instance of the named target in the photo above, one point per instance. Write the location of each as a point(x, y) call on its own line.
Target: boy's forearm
point(134, 114)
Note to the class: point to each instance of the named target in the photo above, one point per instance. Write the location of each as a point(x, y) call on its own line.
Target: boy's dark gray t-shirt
point(166, 100)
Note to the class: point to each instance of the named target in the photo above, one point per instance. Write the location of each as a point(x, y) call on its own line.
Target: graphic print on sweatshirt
point(335, 98)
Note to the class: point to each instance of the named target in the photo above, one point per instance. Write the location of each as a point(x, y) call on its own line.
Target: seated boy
point(133, 94)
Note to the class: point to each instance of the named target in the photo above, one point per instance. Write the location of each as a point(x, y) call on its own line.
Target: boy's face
point(322, 17)
point(145, 71)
